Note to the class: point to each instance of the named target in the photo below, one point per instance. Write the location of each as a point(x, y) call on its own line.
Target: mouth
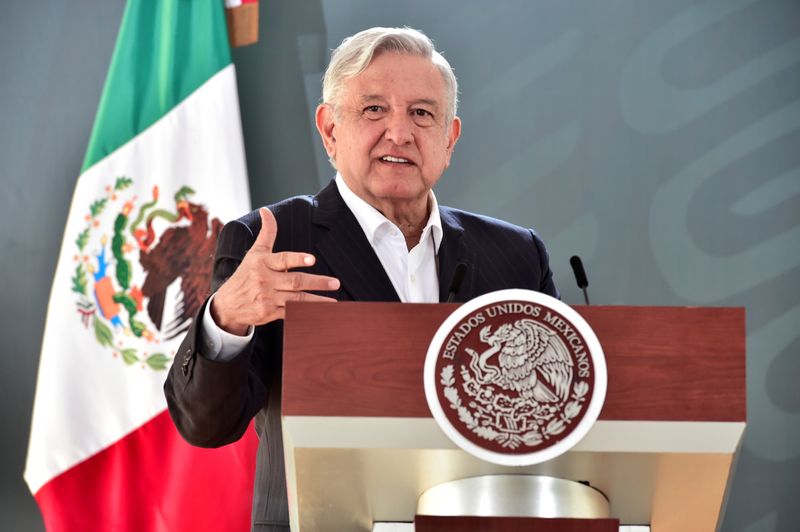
point(395, 160)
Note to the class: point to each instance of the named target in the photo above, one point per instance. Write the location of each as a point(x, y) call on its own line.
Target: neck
point(410, 218)
point(412, 234)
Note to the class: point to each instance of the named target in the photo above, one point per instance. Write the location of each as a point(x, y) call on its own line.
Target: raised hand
point(258, 290)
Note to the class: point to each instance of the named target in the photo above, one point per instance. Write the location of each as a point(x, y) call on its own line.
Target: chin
point(400, 191)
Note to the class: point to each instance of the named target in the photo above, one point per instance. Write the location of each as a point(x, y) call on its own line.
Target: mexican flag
point(164, 169)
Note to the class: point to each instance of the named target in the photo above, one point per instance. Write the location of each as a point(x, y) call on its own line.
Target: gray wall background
point(660, 140)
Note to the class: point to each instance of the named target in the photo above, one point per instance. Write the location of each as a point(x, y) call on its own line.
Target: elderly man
point(375, 233)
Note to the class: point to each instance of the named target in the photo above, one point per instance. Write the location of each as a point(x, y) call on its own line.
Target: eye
point(422, 117)
point(373, 111)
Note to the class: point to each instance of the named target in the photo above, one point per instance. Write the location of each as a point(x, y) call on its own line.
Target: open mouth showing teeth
point(390, 159)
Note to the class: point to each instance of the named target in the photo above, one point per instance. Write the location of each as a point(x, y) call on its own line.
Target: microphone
point(458, 280)
point(580, 276)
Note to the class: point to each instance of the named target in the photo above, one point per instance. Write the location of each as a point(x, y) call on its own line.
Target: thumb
point(269, 230)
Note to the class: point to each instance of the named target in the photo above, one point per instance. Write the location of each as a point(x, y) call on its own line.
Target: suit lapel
point(345, 248)
point(455, 249)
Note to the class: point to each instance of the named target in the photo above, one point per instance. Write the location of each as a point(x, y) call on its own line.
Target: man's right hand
point(258, 290)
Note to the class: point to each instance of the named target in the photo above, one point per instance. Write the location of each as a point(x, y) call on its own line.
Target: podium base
point(409, 527)
point(514, 496)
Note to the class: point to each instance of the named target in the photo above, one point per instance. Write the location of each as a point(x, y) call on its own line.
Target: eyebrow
point(371, 97)
point(376, 97)
point(426, 101)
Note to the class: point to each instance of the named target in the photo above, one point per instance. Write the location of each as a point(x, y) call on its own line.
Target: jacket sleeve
point(212, 402)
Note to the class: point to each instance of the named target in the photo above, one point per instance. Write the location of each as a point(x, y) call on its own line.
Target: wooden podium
point(361, 445)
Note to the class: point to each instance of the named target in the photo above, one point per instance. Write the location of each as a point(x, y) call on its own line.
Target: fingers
point(284, 297)
point(280, 299)
point(288, 260)
point(299, 282)
point(278, 309)
point(281, 263)
point(269, 230)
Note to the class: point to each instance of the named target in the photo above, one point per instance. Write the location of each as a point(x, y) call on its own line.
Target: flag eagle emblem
point(142, 269)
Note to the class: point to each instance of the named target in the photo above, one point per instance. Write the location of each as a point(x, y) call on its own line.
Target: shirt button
point(413, 279)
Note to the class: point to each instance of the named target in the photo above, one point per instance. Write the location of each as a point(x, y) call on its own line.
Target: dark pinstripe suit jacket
point(212, 403)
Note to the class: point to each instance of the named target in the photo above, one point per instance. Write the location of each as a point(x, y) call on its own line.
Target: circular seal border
point(592, 409)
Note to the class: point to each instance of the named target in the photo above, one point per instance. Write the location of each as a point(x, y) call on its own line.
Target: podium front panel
point(361, 445)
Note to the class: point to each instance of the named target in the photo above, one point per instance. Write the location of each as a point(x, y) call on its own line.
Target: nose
point(399, 128)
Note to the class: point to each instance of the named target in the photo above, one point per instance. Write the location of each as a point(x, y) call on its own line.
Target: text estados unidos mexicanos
point(479, 318)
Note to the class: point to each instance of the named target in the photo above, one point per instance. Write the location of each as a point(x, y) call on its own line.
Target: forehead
point(396, 75)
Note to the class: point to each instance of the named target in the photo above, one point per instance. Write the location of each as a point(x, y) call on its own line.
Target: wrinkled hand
point(258, 290)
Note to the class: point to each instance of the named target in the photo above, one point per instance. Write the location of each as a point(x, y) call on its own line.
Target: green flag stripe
point(165, 50)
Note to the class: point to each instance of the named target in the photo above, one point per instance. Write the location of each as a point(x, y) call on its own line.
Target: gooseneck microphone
point(458, 280)
point(580, 276)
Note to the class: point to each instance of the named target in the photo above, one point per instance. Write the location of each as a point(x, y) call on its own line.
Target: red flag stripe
point(151, 480)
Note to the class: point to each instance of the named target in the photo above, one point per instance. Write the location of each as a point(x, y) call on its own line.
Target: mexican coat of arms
point(511, 380)
point(142, 269)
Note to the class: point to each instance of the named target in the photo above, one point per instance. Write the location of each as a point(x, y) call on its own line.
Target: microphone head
point(577, 269)
point(458, 276)
point(458, 279)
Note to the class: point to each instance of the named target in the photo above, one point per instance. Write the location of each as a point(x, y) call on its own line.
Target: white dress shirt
point(412, 273)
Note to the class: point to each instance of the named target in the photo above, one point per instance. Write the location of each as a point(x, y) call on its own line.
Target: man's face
point(388, 135)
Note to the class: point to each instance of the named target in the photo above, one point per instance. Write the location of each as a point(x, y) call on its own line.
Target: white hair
point(355, 54)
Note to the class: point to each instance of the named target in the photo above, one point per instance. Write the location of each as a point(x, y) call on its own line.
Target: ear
point(452, 137)
point(326, 126)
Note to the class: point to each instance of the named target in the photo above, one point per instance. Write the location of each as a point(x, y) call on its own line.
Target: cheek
point(440, 155)
point(363, 142)
point(447, 155)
